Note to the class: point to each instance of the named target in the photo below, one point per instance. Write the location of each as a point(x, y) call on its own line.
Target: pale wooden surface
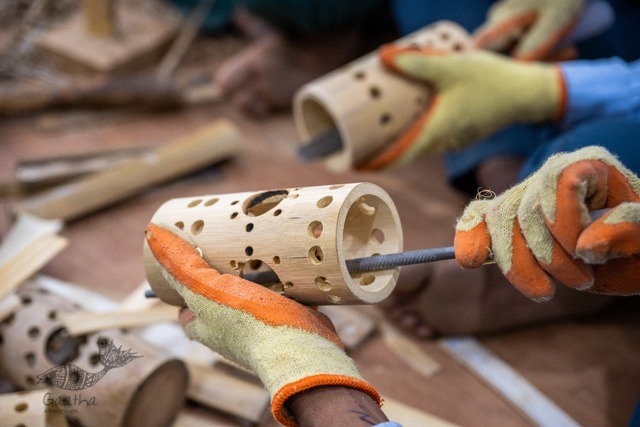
point(589, 367)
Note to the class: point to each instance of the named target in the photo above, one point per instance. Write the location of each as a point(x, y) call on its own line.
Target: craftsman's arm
point(336, 406)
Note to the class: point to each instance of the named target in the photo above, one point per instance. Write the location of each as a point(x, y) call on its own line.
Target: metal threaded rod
point(389, 261)
point(372, 263)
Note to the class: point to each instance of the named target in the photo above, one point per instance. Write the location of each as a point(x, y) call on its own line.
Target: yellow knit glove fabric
point(540, 230)
point(290, 347)
point(475, 94)
point(535, 27)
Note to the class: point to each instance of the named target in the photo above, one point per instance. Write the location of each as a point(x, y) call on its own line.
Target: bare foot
point(264, 76)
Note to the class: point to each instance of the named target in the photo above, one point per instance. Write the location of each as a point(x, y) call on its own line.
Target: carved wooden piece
point(35, 342)
point(304, 235)
point(368, 104)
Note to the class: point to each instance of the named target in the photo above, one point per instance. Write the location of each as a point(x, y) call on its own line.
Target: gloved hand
point(536, 27)
point(540, 229)
point(290, 347)
point(475, 94)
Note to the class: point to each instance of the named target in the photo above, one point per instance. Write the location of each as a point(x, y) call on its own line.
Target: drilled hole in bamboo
point(377, 236)
point(30, 358)
point(248, 227)
point(324, 202)
point(211, 202)
point(316, 255)
point(196, 227)
point(21, 407)
point(180, 225)
point(315, 229)
point(194, 203)
point(385, 119)
point(261, 203)
point(323, 284)
point(34, 332)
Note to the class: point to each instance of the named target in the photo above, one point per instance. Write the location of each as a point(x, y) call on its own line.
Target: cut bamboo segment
point(369, 105)
point(222, 390)
point(8, 305)
point(203, 147)
point(107, 379)
point(303, 236)
point(84, 322)
point(31, 409)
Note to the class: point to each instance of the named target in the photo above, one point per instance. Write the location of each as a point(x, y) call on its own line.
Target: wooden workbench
point(590, 367)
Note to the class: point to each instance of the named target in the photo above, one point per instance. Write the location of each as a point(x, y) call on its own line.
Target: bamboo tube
point(367, 104)
point(203, 147)
point(30, 409)
point(303, 235)
point(111, 378)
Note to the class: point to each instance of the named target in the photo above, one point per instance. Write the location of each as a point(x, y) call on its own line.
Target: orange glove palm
point(540, 231)
point(290, 347)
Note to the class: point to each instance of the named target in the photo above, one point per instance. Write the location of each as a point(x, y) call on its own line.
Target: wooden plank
point(85, 322)
point(408, 350)
point(29, 245)
point(504, 380)
point(408, 416)
point(222, 390)
point(352, 326)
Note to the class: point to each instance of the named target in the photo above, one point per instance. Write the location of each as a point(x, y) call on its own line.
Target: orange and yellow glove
point(539, 232)
point(530, 29)
point(474, 95)
point(290, 347)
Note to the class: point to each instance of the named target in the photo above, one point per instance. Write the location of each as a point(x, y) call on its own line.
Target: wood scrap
point(408, 350)
point(29, 245)
point(507, 382)
point(352, 326)
point(8, 305)
point(223, 390)
point(408, 416)
point(140, 39)
point(205, 146)
point(85, 322)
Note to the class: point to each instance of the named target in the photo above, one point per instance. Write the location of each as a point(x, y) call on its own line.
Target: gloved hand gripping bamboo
point(290, 347)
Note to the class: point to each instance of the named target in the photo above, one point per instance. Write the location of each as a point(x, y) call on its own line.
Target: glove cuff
point(280, 397)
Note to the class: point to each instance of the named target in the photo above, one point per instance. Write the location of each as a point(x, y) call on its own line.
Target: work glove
point(540, 230)
point(474, 95)
point(290, 347)
point(528, 29)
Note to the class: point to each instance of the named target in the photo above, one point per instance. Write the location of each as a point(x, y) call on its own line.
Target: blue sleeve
point(388, 424)
point(600, 89)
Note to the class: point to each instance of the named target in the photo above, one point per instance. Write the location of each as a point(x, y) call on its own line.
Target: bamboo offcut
point(367, 104)
point(302, 235)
